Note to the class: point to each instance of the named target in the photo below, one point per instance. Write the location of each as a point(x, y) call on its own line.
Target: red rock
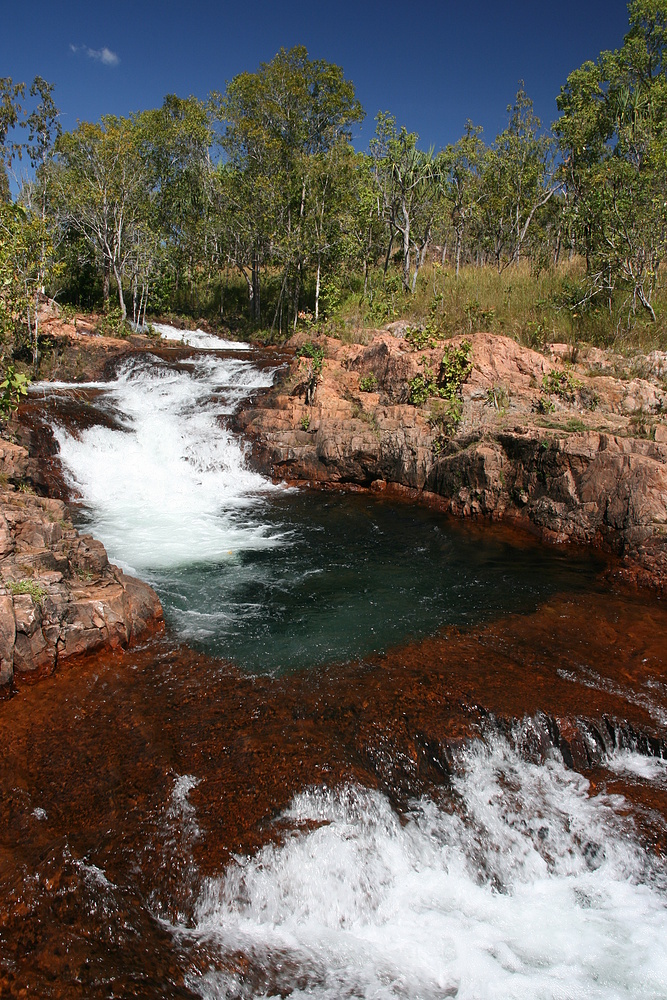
point(579, 473)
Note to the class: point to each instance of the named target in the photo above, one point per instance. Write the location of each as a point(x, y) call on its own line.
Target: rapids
point(337, 775)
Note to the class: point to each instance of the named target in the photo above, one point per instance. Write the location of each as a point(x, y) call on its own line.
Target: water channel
point(335, 775)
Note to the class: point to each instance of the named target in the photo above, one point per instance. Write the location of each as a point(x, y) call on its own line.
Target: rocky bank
point(59, 596)
point(573, 448)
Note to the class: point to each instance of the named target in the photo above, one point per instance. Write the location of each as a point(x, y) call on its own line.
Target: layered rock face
point(573, 450)
point(59, 595)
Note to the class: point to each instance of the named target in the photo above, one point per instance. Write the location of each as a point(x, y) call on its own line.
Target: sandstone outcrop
point(576, 451)
point(59, 595)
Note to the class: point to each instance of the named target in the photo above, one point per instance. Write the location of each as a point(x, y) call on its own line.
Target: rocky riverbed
point(576, 450)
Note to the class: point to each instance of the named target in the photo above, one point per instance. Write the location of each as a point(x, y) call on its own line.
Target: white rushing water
point(529, 889)
point(198, 338)
point(172, 488)
point(517, 884)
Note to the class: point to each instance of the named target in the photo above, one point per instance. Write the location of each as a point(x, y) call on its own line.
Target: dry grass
point(533, 309)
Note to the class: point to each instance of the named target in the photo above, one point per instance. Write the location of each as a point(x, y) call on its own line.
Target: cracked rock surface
point(60, 597)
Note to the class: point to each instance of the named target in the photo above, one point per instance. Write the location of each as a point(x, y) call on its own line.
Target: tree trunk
point(106, 280)
point(317, 287)
point(255, 300)
point(388, 254)
point(121, 299)
point(406, 250)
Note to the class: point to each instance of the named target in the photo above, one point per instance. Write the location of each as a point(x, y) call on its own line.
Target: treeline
point(258, 190)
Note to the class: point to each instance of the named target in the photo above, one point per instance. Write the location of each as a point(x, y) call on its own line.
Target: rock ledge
point(60, 597)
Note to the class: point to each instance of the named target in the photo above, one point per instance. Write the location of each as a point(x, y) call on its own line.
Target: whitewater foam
point(198, 338)
point(172, 488)
point(520, 886)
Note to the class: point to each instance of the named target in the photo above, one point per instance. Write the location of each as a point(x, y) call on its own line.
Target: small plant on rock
point(560, 383)
point(313, 357)
point(544, 405)
point(455, 368)
point(420, 339)
point(368, 383)
point(13, 388)
point(498, 398)
point(30, 587)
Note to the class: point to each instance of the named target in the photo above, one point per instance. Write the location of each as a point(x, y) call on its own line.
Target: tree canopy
point(261, 181)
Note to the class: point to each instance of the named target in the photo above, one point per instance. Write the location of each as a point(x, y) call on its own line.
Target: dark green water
point(352, 575)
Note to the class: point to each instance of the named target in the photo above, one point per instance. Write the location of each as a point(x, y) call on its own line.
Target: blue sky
point(432, 65)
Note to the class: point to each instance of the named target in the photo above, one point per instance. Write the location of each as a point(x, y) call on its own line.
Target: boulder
point(59, 596)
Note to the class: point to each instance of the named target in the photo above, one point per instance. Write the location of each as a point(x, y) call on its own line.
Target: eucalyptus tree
point(463, 165)
point(411, 185)
point(27, 257)
point(11, 95)
point(613, 138)
point(280, 125)
point(174, 145)
point(518, 179)
point(100, 183)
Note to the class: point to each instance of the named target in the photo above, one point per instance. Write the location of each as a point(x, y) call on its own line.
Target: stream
point(378, 753)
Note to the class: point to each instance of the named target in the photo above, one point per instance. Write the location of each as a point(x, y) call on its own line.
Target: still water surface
point(364, 802)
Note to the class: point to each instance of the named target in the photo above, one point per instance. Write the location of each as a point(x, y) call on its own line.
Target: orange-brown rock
point(587, 463)
point(59, 595)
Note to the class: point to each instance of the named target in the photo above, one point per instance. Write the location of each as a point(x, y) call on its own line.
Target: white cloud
point(103, 55)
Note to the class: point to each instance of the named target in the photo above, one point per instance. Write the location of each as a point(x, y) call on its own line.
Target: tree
point(518, 180)
point(463, 162)
point(174, 143)
point(10, 112)
point(411, 186)
point(101, 186)
point(277, 122)
point(613, 137)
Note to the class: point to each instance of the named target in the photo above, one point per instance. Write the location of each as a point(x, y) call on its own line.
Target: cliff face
point(576, 451)
point(59, 595)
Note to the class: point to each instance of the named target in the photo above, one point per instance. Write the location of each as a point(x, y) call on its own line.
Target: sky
point(431, 64)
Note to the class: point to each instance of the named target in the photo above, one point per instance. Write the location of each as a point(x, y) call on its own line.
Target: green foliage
point(422, 387)
point(560, 383)
point(291, 220)
point(113, 324)
point(420, 338)
point(13, 388)
point(368, 383)
point(31, 587)
point(305, 422)
point(478, 318)
point(544, 405)
point(613, 138)
point(455, 368)
point(316, 355)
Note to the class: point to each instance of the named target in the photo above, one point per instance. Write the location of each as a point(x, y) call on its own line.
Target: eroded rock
point(571, 450)
point(59, 595)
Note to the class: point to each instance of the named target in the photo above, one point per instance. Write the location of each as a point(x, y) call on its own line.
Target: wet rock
point(59, 596)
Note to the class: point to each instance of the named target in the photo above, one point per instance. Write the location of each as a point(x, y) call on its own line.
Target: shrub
point(368, 383)
point(560, 383)
point(13, 387)
point(31, 587)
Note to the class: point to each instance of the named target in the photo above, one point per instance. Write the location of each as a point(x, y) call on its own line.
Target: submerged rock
point(59, 595)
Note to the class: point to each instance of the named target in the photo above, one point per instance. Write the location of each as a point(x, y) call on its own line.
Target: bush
point(368, 383)
point(13, 387)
